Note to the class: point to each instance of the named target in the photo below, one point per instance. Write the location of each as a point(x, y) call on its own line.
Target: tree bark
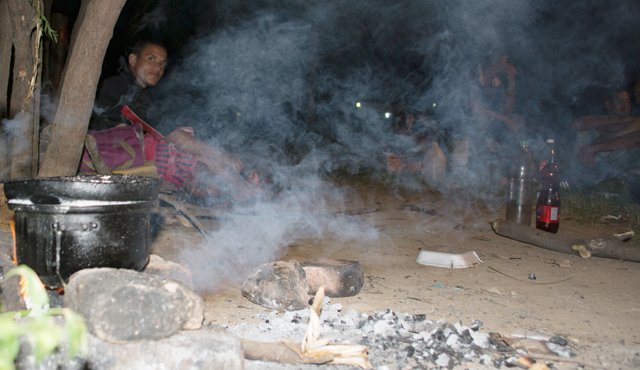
point(6, 35)
point(91, 35)
point(26, 42)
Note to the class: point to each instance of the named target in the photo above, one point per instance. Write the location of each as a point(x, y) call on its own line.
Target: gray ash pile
point(395, 341)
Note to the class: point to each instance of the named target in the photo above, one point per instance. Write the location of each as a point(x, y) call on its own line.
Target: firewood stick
point(606, 247)
point(545, 357)
point(269, 351)
point(318, 300)
point(94, 154)
point(178, 206)
point(280, 352)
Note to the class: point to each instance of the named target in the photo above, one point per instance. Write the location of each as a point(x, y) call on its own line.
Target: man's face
point(148, 67)
point(620, 104)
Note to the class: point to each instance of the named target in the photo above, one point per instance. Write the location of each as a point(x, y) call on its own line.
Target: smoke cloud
point(278, 83)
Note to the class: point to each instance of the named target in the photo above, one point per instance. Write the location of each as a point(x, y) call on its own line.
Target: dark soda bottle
point(548, 208)
point(520, 191)
point(548, 201)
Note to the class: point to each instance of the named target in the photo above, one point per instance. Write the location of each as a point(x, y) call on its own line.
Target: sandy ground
point(595, 303)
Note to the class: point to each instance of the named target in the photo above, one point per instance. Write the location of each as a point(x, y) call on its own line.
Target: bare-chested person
point(495, 96)
point(618, 130)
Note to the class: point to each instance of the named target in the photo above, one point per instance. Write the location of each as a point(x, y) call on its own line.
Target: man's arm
point(600, 122)
point(212, 157)
point(587, 154)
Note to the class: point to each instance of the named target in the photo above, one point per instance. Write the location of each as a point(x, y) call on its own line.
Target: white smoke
point(251, 235)
point(277, 82)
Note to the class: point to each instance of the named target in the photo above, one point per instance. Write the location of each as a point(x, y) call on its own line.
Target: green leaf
point(10, 332)
point(6, 364)
point(46, 336)
point(34, 288)
point(76, 333)
point(38, 324)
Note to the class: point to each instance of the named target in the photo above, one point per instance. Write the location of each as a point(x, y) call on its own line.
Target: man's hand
point(395, 163)
point(233, 162)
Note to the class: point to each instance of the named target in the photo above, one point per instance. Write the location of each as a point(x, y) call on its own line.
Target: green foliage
point(38, 325)
point(47, 30)
point(43, 23)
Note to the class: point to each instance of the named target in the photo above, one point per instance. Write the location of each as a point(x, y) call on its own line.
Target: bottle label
point(542, 164)
point(548, 214)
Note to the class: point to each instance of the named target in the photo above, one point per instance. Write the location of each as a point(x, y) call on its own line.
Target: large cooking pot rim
point(97, 187)
point(120, 208)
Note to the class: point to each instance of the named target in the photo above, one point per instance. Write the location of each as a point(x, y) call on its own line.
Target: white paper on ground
point(449, 260)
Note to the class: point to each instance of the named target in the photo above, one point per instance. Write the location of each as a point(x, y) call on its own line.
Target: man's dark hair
point(138, 46)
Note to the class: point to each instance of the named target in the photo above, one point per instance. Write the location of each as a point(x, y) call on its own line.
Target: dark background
point(281, 77)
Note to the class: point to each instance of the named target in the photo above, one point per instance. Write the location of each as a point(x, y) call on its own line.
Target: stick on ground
point(607, 247)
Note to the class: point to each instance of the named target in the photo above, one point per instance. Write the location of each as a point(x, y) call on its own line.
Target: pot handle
point(58, 237)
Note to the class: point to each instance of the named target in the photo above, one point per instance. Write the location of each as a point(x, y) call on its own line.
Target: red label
point(548, 214)
point(543, 163)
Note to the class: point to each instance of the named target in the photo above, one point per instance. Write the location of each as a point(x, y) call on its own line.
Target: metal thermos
point(521, 185)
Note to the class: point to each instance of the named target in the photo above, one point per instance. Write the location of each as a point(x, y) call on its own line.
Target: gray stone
point(340, 278)
point(169, 270)
point(186, 350)
point(278, 285)
point(121, 305)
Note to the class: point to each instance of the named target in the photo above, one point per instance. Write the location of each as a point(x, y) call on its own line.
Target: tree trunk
point(6, 35)
point(91, 35)
point(26, 48)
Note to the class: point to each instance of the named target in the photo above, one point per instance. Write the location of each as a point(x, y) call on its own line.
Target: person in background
point(143, 69)
point(494, 97)
point(617, 130)
point(608, 146)
point(425, 155)
point(494, 130)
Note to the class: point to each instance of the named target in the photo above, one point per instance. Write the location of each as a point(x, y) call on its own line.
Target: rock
point(340, 278)
point(278, 285)
point(121, 305)
point(202, 349)
point(168, 270)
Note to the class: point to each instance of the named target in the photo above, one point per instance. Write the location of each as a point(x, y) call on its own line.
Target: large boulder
point(195, 350)
point(121, 305)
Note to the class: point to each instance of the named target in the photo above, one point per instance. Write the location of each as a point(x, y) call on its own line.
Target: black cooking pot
point(66, 224)
point(101, 187)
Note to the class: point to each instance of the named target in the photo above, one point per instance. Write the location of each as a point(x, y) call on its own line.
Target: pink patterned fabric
point(120, 147)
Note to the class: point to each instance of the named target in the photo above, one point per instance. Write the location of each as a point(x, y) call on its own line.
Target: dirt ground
point(594, 303)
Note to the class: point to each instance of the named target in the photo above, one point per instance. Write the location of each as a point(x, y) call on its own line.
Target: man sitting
point(606, 145)
point(130, 94)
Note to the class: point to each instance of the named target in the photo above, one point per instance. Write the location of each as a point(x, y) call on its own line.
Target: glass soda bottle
point(548, 202)
point(521, 185)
